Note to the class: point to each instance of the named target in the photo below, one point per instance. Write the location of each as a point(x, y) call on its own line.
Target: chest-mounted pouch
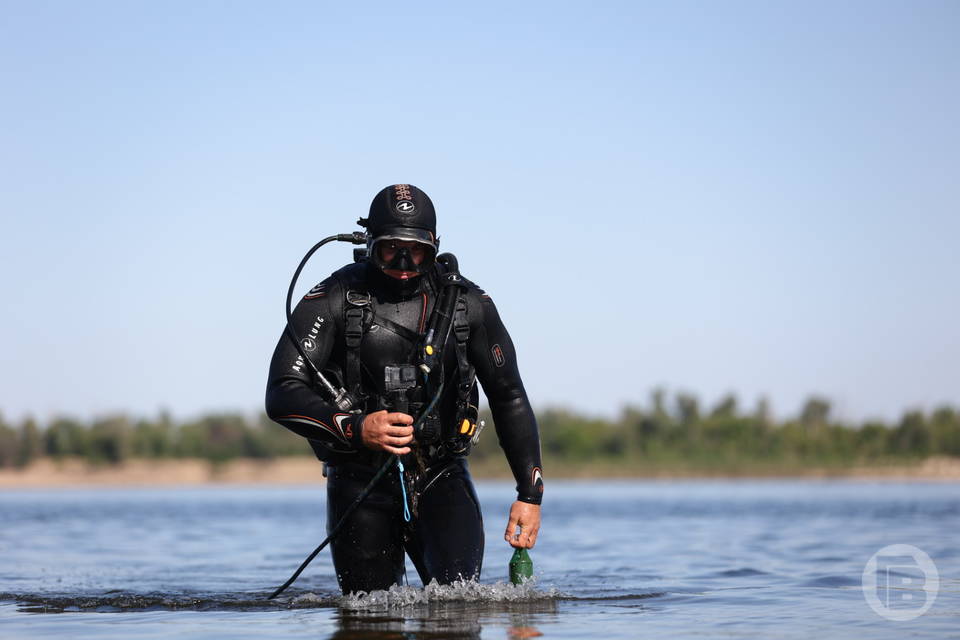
point(399, 377)
point(399, 382)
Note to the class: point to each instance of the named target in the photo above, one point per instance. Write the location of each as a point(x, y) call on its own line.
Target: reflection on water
point(454, 620)
point(443, 611)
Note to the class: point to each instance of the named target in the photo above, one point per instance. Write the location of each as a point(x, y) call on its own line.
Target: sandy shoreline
point(161, 473)
point(307, 471)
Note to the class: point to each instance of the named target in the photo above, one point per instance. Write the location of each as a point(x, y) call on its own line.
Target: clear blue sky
point(757, 197)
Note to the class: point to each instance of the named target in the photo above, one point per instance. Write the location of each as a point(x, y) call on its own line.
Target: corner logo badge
point(900, 582)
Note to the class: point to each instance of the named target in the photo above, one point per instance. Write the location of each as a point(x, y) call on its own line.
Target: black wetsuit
point(444, 538)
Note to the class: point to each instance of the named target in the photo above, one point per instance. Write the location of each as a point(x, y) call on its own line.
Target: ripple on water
point(833, 581)
point(741, 572)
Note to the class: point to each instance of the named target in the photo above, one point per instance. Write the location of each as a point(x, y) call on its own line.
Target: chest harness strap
point(355, 323)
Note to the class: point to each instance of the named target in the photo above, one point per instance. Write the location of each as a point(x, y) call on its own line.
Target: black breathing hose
point(346, 514)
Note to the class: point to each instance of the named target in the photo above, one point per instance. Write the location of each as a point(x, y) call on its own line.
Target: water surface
point(727, 559)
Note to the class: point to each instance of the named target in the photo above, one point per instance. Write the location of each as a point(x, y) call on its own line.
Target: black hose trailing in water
point(356, 503)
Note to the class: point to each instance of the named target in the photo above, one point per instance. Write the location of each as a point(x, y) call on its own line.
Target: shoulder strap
point(356, 303)
point(465, 427)
point(461, 330)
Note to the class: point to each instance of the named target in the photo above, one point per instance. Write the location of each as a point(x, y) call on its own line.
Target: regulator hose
point(339, 396)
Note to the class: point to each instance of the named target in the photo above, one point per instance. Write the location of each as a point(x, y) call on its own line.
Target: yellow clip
point(465, 426)
point(429, 349)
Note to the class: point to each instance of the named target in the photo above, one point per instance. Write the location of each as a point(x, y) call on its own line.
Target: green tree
point(154, 439)
point(688, 409)
point(30, 443)
point(726, 407)
point(912, 435)
point(945, 432)
point(815, 413)
point(9, 444)
point(110, 440)
point(65, 437)
point(763, 414)
point(872, 440)
point(217, 437)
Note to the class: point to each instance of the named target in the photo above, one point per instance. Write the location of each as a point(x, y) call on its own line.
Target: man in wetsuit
point(366, 326)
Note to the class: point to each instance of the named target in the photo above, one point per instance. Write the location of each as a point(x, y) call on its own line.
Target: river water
point(632, 559)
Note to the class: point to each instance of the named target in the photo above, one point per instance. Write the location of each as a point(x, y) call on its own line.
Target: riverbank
point(306, 470)
point(175, 472)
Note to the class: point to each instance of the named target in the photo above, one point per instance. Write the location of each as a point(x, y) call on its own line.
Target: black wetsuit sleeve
point(293, 399)
point(492, 354)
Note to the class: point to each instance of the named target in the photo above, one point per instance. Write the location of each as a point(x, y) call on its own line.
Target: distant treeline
point(112, 440)
point(668, 432)
point(676, 433)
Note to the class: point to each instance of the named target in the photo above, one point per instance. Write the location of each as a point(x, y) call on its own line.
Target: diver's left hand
point(527, 517)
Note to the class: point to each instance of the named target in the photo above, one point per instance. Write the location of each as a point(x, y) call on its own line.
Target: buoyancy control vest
point(408, 383)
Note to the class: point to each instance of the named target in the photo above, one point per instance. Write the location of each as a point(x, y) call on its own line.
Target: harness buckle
point(358, 298)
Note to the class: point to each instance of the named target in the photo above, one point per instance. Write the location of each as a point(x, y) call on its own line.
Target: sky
point(758, 198)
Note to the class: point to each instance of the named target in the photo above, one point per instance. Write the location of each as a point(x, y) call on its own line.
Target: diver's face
point(388, 251)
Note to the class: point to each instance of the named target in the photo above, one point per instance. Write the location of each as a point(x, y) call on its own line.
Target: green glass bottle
point(521, 566)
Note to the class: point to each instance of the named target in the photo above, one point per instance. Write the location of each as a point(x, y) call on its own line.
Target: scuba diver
point(398, 340)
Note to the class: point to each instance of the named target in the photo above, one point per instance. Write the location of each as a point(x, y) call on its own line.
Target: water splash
point(399, 596)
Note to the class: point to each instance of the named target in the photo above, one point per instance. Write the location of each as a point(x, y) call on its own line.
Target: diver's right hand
point(388, 432)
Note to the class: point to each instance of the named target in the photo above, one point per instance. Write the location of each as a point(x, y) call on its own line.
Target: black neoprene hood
point(402, 212)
